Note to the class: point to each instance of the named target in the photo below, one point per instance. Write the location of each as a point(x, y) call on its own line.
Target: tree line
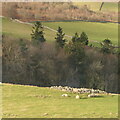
point(72, 63)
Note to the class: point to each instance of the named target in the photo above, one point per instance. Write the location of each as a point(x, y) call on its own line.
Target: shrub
point(107, 46)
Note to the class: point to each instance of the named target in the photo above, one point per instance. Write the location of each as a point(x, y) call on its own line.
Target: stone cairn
point(78, 90)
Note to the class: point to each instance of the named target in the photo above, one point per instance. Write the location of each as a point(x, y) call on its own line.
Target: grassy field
point(95, 31)
point(107, 7)
point(19, 30)
point(39, 102)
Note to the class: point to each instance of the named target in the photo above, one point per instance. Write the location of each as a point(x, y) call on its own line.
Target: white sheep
point(93, 95)
point(64, 95)
point(77, 97)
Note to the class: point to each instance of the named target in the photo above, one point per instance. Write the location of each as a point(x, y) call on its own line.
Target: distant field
point(95, 31)
point(39, 102)
point(19, 30)
point(107, 7)
point(15, 29)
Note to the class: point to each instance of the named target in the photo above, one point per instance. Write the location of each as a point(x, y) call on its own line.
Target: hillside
point(46, 11)
point(20, 30)
point(95, 31)
point(95, 6)
point(41, 102)
point(63, 75)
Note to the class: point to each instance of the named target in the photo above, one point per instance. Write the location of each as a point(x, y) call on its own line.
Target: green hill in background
point(107, 7)
point(95, 31)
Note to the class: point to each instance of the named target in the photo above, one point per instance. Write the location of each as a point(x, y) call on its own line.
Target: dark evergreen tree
point(84, 38)
point(76, 50)
point(60, 41)
point(37, 35)
point(77, 60)
point(75, 38)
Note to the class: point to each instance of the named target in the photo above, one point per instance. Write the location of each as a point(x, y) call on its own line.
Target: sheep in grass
point(93, 95)
point(77, 97)
point(65, 95)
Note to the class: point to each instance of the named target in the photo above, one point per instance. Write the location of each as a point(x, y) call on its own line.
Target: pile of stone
point(77, 90)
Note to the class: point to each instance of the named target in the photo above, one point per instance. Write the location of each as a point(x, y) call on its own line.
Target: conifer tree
point(84, 38)
point(75, 38)
point(60, 41)
point(37, 35)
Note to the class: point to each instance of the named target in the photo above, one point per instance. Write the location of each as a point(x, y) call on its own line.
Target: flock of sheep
point(90, 92)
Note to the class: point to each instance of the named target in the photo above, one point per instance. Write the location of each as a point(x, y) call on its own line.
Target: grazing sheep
point(93, 95)
point(75, 90)
point(77, 97)
point(64, 95)
point(78, 90)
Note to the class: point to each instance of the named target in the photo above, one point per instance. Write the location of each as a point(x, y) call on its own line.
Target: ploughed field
point(95, 31)
point(21, 101)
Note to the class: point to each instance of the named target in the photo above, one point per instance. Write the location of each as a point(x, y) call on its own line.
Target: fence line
point(78, 21)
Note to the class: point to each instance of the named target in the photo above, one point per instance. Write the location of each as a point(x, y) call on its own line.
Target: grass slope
point(15, 29)
point(38, 102)
point(107, 7)
point(95, 31)
point(19, 30)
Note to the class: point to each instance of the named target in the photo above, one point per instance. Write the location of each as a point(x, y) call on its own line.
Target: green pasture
point(20, 30)
point(95, 31)
point(107, 7)
point(21, 101)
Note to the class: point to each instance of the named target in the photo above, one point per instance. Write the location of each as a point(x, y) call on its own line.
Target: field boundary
point(77, 21)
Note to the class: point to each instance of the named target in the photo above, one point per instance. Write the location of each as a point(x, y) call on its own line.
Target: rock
point(110, 113)
point(45, 114)
point(64, 95)
point(77, 97)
